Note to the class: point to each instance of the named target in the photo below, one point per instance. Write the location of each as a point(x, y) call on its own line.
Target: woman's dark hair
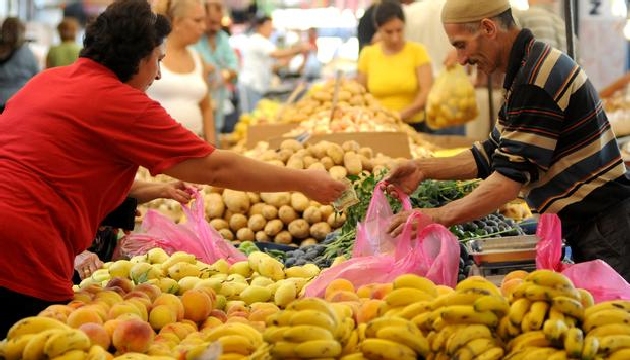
point(125, 33)
point(261, 20)
point(11, 36)
point(387, 11)
point(68, 28)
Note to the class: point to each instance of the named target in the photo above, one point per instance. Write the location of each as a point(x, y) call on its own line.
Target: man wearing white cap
point(552, 141)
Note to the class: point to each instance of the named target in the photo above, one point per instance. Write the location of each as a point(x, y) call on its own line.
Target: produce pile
point(174, 307)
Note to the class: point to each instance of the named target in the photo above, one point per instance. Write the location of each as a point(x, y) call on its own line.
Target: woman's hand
point(322, 187)
point(86, 263)
point(178, 191)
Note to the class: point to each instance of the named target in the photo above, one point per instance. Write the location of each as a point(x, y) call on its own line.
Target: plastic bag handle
point(402, 196)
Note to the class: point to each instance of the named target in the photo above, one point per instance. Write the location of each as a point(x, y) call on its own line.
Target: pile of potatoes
point(282, 217)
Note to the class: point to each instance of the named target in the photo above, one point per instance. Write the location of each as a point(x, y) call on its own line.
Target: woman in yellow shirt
point(397, 72)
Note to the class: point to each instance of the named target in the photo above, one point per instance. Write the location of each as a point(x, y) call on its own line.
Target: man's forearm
point(459, 167)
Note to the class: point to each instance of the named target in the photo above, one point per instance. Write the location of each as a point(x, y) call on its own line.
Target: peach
point(341, 295)
point(234, 306)
point(97, 334)
point(125, 284)
point(92, 288)
point(219, 314)
point(109, 296)
point(55, 315)
point(141, 305)
point(170, 300)
point(374, 290)
point(211, 323)
point(191, 323)
point(133, 335)
point(124, 308)
point(515, 274)
point(139, 295)
point(179, 329)
point(197, 305)
point(168, 338)
point(508, 286)
point(82, 297)
point(339, 284)
point(261, 314)
point(161, 315)
point(258, 325)
point(240, 319)
point(110, 326)
point(129, 315)
point(151, 290)
point(162, 349)
point(83, 315)
point(368, 310)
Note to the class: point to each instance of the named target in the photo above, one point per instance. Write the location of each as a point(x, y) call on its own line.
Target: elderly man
point(552, 142)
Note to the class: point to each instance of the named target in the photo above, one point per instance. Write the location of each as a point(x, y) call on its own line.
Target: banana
point(477, 283)
point(404, 296)
point(424, 321)
point(34, 350)
point(237, 344)
point(555, 314)
point(440, 340)
point(414, 341)
point(519, 291)
point(459, 298)
point(354, 356)
point(494, 353)
point(376, 324)
point(569, 306)
point(477, 347)
point(610, 329)
point(554, 329)
point(34, 325)
point(466, 314)
point(344, 330)
point(280, 318)
point(303, 333)
point(591, 347)
point(236, 328)
point(606, 305)
point(283, 350)
point(586, 298)
point(605, 317)
point(411, 310)
point(529, 339)
point(518, 309)
point(549, 278)
point(539, 353)
point(100, 275)
point(386, 350)
point(558, 355)
point(534, 319)
point(496, 304)
point(610, 344)
point(66, 340)
point(318, 349)
point(546, 293)
point(71, 355)
point(351, 345)
point(416, 282)
point(316, 304)
point(504, 329)
point(315, 318)
point(622, 354)
point(96, 352)
point(574, 342)
point(463, 337)
point(14, 347)
point(273, 334)
point(177, 258)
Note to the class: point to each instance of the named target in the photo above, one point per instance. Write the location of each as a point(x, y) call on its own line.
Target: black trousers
point(605, 237)
point(18, 307)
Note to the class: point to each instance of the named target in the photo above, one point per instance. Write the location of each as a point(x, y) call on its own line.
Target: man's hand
point(405, 177)
point(86, 263)
point(398, 221)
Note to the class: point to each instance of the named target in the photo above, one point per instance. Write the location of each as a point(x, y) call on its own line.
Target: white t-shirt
point(181, 93)
point(423, 25)
point(256, 70)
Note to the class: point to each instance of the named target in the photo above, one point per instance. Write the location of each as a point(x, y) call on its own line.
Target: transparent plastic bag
point(596, 276)
point(452, 100)
point(195, 236)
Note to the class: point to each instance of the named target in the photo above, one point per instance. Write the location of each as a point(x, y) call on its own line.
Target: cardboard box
point(394, 144)
point(256, 133)
point(449, 141)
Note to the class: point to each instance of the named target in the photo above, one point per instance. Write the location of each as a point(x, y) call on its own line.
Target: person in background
point(366, 28)
point(67, 51)
point(397, 72)
point(102, 248)
point(423, 26)
point(552, 142)
point(216, 50)
point(260, 58)
point(310, 68)
point(183, 89)
point(82, 155)
point(17, 62)
point(541, 19)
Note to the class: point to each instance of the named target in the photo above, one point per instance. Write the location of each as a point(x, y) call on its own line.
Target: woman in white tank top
point(182, 88)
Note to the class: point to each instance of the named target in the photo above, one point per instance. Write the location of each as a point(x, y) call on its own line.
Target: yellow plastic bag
point(451, 100)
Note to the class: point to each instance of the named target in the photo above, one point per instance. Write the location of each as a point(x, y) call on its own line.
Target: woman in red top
point(71, 141)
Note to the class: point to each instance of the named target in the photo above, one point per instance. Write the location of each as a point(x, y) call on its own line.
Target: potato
point(320, 230)
point(338, 172)
point(256, 222)
point(295, 162)
point(237, 221)
point(299, 201)
point(269, 155)
point(213, 189)
point(214, 206)
point(308, 160)
point(299, 228)
point(318, 150)
point(317, 166)
point(308, 241)
point(283, 237)
point(262, 236)
point(335, 152)
point(352, 162)
point(366, 164)
point(256, 208)
point(312, 214)
point(219, 224)
point(254, 198)
point(287, 214)
point(366, 151)
point(269, 212)
point(227, 214)
point(291, 144)
point(226, 234)
point(336, 220)
point(236, 201)
point(276, 199)
point(301, 153)
point(285, 154)
point(273, 227)
point(350, 145)
point(245, 234)
point(327, 162)
point(326, 210)
point(276, 162)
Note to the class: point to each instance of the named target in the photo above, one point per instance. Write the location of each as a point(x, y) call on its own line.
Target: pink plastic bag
point(596, 276)
point(195, 236)
point(434, 253)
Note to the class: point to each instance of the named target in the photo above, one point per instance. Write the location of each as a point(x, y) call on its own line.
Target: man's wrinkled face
point(472, 46)
point(149, 69)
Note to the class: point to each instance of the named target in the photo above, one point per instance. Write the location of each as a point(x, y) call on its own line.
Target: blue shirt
point(16, 71)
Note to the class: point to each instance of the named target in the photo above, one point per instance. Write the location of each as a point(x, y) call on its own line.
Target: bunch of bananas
point(238, 340)
point(607, 329)
point(410, 295)
point(309, 328)
point(39, 337)
point(461, 324)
